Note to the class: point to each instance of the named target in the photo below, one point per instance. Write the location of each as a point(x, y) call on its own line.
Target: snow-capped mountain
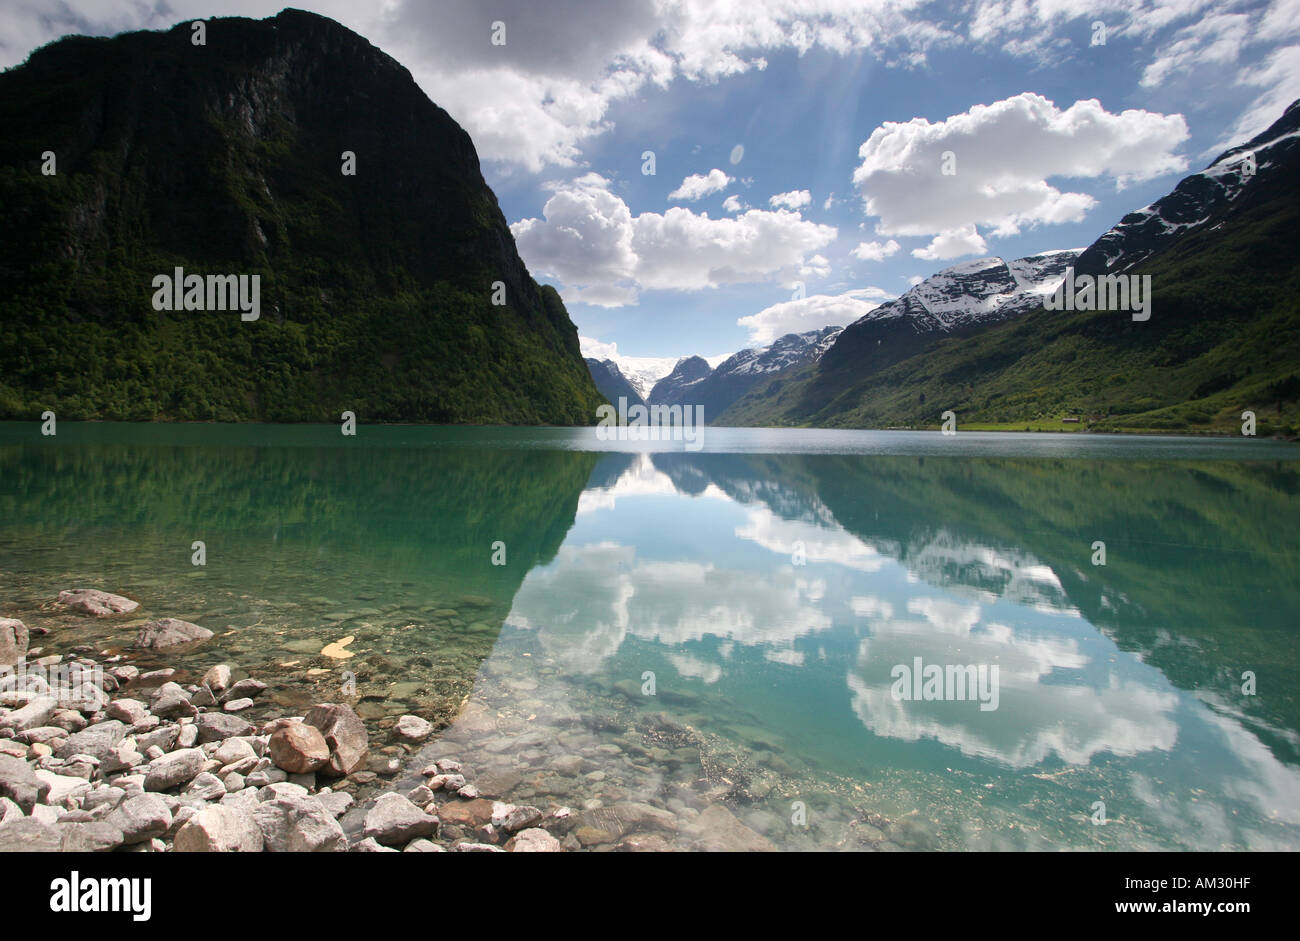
point(1229, 226)
point(977, 292)
point(1246, 175)
point(673, 388)
point(642, 372)
point(693, 382)
point(964, 297)
point(611, 382)
point(789, 350)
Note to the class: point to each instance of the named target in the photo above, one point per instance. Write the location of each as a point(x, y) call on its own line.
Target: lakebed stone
point(141, 818)
point(97, 603)
point(14, 638)
point(219, 726)
point(533, 840)
point(395, 820)
point(170, 632)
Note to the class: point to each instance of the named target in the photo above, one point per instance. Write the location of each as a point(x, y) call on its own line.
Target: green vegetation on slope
point(226, 159)
point(1224, 336)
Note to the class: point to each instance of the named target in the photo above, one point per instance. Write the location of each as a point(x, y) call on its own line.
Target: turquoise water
point(726, 625)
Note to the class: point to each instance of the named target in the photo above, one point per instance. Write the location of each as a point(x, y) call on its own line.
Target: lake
point(610, 621)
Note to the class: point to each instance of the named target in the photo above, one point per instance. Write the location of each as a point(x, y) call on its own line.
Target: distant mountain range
point(394, 291)
point(611, 383)
point(1223, 337)
point(692, 381)
point(961, 298)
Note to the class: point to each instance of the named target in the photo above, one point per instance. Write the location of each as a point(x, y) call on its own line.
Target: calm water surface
point(722, 626)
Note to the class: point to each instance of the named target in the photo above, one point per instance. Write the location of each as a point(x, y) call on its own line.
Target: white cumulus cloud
point(875, 251)
point(901, 176)
point(795, 199)
point(952, 244)
point(602, 254)
point(811, 313)
point(699, 185)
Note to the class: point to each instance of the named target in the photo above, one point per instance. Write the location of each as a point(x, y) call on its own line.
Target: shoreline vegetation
point(1063, 426)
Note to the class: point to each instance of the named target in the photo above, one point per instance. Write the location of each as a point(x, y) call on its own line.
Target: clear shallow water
point(772, 680)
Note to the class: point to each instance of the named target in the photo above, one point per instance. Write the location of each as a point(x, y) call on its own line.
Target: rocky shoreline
point(127, 757)
point(112, 759)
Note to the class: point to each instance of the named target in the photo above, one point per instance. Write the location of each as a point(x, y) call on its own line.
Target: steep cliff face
point(377, 286)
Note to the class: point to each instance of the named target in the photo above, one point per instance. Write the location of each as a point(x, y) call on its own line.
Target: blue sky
point(1053, 136)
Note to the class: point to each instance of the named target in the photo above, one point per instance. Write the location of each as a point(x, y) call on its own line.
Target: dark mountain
point(227, 158)
point(1225, 188)
point(1223, 336)
point(676, 387)
point(611, 382)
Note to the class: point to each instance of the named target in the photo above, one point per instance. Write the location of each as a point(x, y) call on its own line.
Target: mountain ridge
point(1224, 338)
point(377, 287)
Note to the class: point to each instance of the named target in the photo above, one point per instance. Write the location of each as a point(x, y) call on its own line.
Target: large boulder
point(19, 783)
point(219, 726)
point(141, 818)
point(94, 740)
point(219, 828)
point(394, 820)
point(299, 748)
point(174, 769)
point(38, 712)
point(345, 734)
point(170, 632)
point(299, 824)
point(13, 641)
point(98, 603)
point(29, 836)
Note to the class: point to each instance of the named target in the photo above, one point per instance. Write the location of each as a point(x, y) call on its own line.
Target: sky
point(698, 176)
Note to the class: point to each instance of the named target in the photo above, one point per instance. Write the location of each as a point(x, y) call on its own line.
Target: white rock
point(534, 840)
point(413, 729)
